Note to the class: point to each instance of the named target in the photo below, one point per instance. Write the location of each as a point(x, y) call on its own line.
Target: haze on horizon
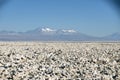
point(95, 17)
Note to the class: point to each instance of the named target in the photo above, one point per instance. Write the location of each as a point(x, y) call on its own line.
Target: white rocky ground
point(59, 61)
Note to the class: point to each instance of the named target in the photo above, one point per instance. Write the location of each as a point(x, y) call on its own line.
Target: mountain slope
point(48, 34)
point(115, 36)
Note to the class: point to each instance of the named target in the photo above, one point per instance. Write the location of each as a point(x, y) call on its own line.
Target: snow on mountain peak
point(47, 30)
point(69, 31)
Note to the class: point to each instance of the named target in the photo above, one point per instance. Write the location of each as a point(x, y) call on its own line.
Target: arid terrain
point(59, 61)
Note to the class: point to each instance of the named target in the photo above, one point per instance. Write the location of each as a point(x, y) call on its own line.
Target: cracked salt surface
point(59, 61)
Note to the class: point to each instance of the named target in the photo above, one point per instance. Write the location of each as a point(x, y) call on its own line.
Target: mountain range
point(48, 34)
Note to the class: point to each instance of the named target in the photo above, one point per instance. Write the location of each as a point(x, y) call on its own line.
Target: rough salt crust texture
point(59, 61)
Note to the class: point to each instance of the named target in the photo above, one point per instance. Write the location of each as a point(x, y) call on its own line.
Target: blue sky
point(92, 17)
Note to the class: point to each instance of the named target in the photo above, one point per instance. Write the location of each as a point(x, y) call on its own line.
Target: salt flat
point(59, 61)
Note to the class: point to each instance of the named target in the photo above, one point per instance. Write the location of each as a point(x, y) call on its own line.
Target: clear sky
point(92, 17)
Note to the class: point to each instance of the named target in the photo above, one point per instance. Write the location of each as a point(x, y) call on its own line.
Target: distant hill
point(48, 34)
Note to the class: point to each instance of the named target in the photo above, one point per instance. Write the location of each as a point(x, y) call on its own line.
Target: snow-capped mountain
point(49, 34)
point(69, 31)
point(50, 31)
point(41, 31)
point(47, 30)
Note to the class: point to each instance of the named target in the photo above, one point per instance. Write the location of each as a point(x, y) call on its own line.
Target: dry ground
point(59, 61)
